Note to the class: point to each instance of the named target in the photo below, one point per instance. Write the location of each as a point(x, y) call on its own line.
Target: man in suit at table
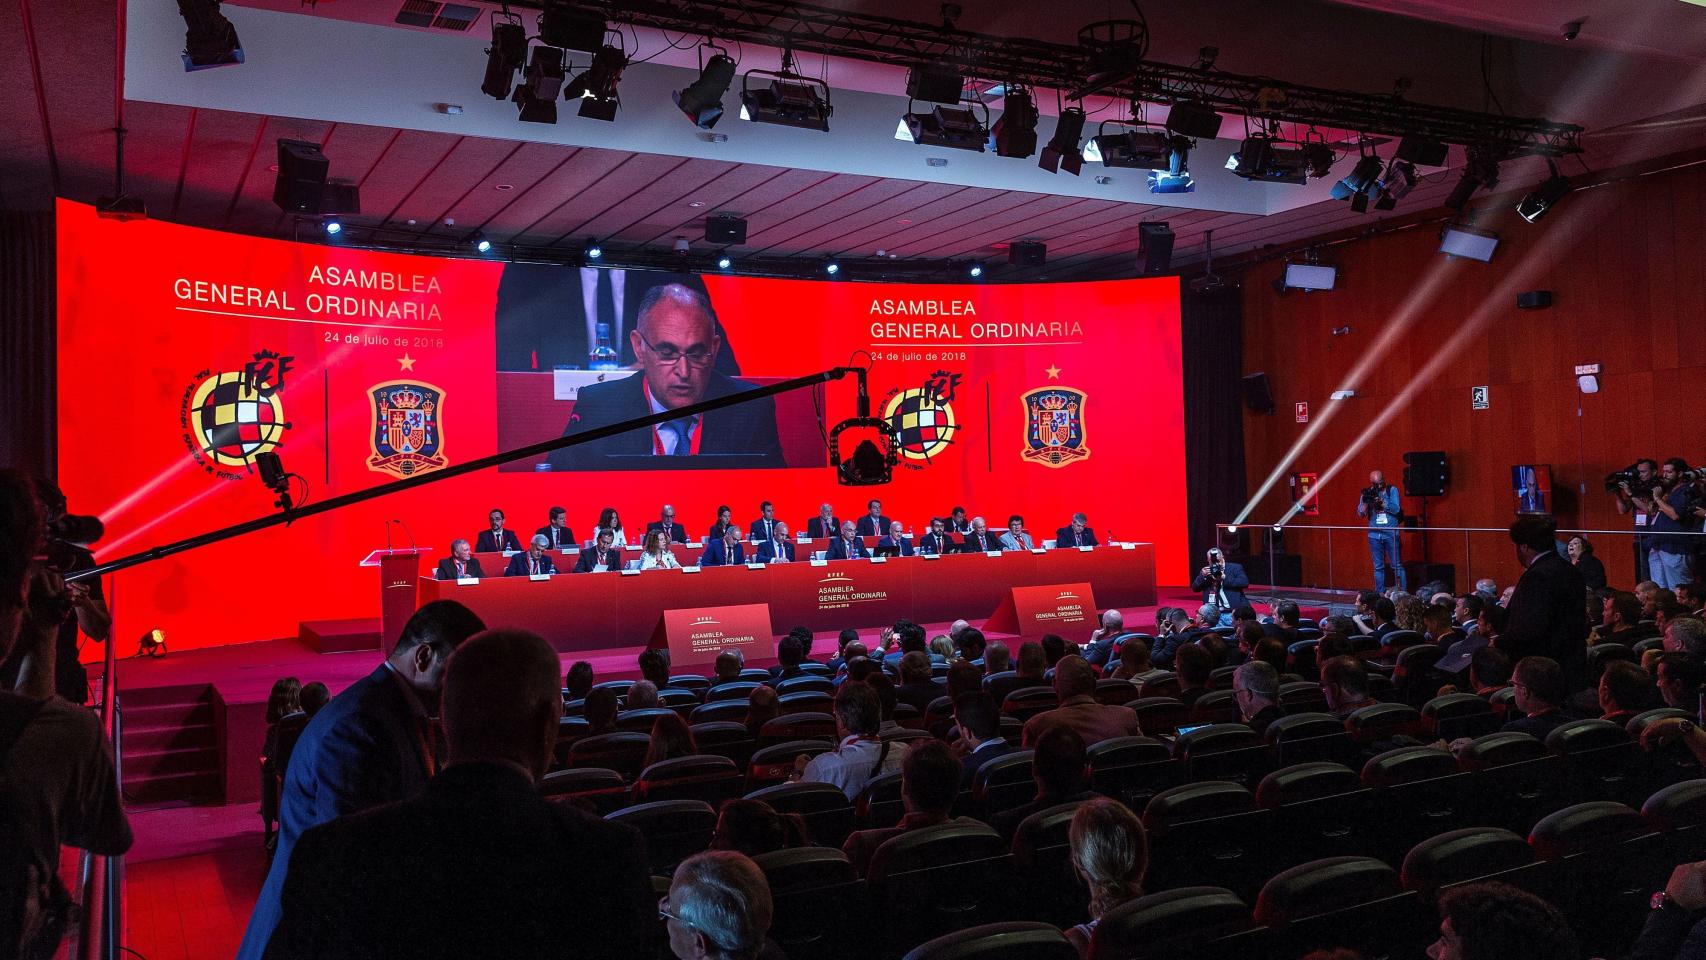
point(938, 540)
point(460, 564)
point(764, 527)
point(496, 539)
point(777, 549)
point(531, 563)
point(666, 523)
point(726, 551)
point(848, 546)
point(601, 556)
point(1078, 534)
point(898, 542)
point(873, 523)
point(676, 342)
point(1016, 538)
point(557, 534)
point(825, 525)
point(369, 746)
point(978, 539)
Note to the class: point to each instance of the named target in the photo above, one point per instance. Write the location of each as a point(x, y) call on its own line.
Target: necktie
point(534, 564)
point(607, 307)
point(461, 570)
point(682, 430)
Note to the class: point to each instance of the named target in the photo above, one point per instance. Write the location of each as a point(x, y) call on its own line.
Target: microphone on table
point(405, 527)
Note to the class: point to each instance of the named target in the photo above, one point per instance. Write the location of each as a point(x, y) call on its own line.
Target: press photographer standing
point(89, 607)
point(1670, 556)
point(1380, 504)
point(1222, 583)
point(1632, 498)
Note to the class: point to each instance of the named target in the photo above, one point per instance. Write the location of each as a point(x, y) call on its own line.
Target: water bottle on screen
point(603, 356)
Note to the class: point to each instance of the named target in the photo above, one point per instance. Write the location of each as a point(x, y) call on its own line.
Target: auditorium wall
point(1626, 265)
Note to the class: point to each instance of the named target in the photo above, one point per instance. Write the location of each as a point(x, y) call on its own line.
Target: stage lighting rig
point(1544, 197)
point(596, 86)
point(1143, 149)
point(702, 100)
point(209, 39)
point(790, 99)
point(1265, 159)
point(506, 56)
point(877, 454)
point(1062, 152)
point(1480, 171)
point(536, 98)
point(957, 128)
point(564, 24)
point(1015, 131)
point(1362, 183)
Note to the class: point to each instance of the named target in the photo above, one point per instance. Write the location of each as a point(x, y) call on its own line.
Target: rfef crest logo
point(923, 418)
point(408, 427)
point(1054, 426)
point(230, 418)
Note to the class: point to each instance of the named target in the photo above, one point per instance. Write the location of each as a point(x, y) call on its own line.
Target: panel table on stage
point(592, 611)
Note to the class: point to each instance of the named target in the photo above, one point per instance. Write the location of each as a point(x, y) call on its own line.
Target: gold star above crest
point(406, 362)
point(1053, 372)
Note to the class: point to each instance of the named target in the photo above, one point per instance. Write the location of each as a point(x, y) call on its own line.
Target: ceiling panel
point(675, 189)
point(731, 192)
point(462, 169)
point(826, 225)
point(220, 150)
point(616, 186)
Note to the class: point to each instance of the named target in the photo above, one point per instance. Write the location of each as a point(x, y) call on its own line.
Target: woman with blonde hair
point(1110, 851)
point(1409, 608)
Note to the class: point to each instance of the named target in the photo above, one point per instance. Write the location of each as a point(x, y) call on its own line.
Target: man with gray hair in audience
point(1255, 688)
point(997, 658)
point(1102, 643)
point(718, 908)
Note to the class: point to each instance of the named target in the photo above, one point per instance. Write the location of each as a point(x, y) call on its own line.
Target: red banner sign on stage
point(696, 635)
point(1066, 609)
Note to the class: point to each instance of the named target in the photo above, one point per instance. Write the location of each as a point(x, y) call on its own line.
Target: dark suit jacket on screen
point(565, 537)
point(816, 531)
point(747, 428)
point(971, 544)
point(868, 527)
point(838, 549)
point(589, 559)
point(717, 555)
point(519, 565)
point(677, 532)
point(1547, 618)
point(447, 568)
point(902, 548)
point(518, 864)
point(486, 543)
point(929, 543)
point(1063, 538)
point(758, 532)
point(767, 551)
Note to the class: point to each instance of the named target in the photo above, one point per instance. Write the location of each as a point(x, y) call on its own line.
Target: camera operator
point(1380, 504)
point(57, 782)
point(63, 554)
point(1630, 488)
point(1222, 583)
point(1670, 557)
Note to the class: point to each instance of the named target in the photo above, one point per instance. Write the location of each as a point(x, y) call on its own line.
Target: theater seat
point(1012, 940)
point(1003, 783)
point(1383, 721)
point(1125, 752)
point(1324, 886)
point(1420, 792)
point(706, 777)
point(879, 804)
point(1186, 922)
point(939, 716)
point(1600, 760)
point(805, 701)
point(1584, 826)
point(1306, 781)
point(618, 687)
point(797, 726)
point(820, 905)
point(1516, 778)
point(1300, 655)
point(1115, 692)
point(724, 739)
point(623, 752)
point(1157, 716)
point(1160, 685)
point(598, 788)
point(1459, 715)
point(928, 882)
point(1503, 702)
point(909, 716)
point(731, 711)
point(1132, 769)
point(569, 729)
point(1601, 654)
point(1352, 902)
point(1460, 856)
point(1320, 809)
point(641, 720)
point(1680, 811)
point(1208, 832)
point(1413, 673)
point(774, 763)
point(754, 675)
point(1305, 697)
point(1056, 894)
point(1668, 764)
point(1220, 678)
point(806, 684)
point(1216, 706)
point(827, 812)
point(1223, 751)
point(1027, 702)
point(1398, 640)
point(733, 690)
point(1309, 737)
point(1606, 860)
point(818, 669)
point(691, 681)
point(674, 829)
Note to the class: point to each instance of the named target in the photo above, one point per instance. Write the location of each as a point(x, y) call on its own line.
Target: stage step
point(171, 746)
point(194, 785)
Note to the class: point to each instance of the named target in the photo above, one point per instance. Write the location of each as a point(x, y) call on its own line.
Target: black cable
point(133, 953)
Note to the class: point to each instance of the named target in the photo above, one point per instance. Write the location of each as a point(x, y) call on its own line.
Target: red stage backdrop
point(184, 352)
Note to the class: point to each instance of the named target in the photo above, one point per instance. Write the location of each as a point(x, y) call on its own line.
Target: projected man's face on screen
point(676, 343)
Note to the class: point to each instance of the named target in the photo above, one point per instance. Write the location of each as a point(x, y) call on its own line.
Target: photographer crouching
point(57, 782)
point(66, 551)
point(1379, 502)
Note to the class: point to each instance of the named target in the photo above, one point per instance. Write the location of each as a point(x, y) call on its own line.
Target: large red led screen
point(183, 353)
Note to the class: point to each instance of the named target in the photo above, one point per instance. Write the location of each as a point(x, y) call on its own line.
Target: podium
point(399, 571)
point(695, 635)
point(1067, 610)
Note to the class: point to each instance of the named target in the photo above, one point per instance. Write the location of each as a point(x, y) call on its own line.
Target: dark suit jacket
point(747, 428)
point(1063, 538)
point(589, 559)
point(767, 551)
point(758, 532)
point(930, 543)
point(519, 865)
point(363, 749)
point(815, 528)
point(1538, 726)
point(971, 544)
point(1546, 617)
point(486, 543)
point(1233, 585)
point(873, 528)
point(905, 546)
point(716, 555)
point(565, 537)
point(1263, 717)
point(447, 568)
point(677, 532)
point(920, 695)
point(520, 563)
point(972, 761)
point(1592, 570)
point(1007, 822)
point(838, 549)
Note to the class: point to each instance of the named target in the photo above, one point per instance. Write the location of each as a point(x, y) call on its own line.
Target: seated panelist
point(898, 543)
point(461, 562)
point(666, 523)
point(726, 551)
point(824, 525)
point(1016, 538)
point(777, 549)
point(764, 528)
point(601, 556)
point(496, 538)
point(557, 534)
point(873, 523)
point(1077, 534)
point(657, 555)
point(938, 540)
point(848, 546)
point(716, 532)
point(978, 539)
point(534, 561)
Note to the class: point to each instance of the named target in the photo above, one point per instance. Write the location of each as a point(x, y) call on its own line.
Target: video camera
point(1374, 497)
point(1614, 481)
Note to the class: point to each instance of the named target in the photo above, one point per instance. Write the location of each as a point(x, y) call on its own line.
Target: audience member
point(1546, 617)
point(284, 701)
point(1134, 664)
point(1496, 921)
point(997, 658)
point(909, 637)
point(1437, 627)
point(643, 695)
point(671, 738)
point(941, 649)
point(1271, 652)
point(1666, 609)
point(1382, 616)
point(654, 667)
point(1099, 649)
point(789, 655)
point(753, 827)
point(1110, 853)
point(1624, 691)
point(1075, 686)
point(1058, 768)
point(1685, 635)
point(1468, 611)
point(1248, 634)
point(718, 908)
point(1489, 671)
point(1679, 677)
point(1344, 681)
point(1333, 644)
point(860, 754)
point(842, 639)
point(1054, 647)
point(1407, 613)
point(728, 666)
point(1540, 693)
point(1172, 633)
point(1194, 665)
point(600, 711)
point(1029, 671)
point(1676, 925)
point(578, 681)
point(1215, 644)
point(370, 746)
point(1591, 567)
point(963, 677)
point(480, 828)
point(972, 643)
point(1255, 687)
point(314, 696)
point(978, 720)
point(916, 686)
point(1692, 596)
point(1289, 619)
point(929, 784)
point(880, 683)
point(761, 708)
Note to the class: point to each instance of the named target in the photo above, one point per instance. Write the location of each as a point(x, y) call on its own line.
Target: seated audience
point(479, 828)
point(1692, 596)
point(1194, 664)
point(1468, 611)
point(916, 687)
point(971, 642)
point(283, 702)
point(1215, 644)
point(1624, 691)
point(841, 641)
point(1438, 628)
point(1679, 677)
point(1110, 853)
point(1540, 694)
point(1271, 652)
point(654, 666)
point(1685, 635)
point(753, 827)
point(718, 908)
point(789, 656)
point(1028, 672)
point(1054, 647)
point(1407, 613)
point(909, 637)
point(1289, 619)
point(1075, 685)
point(727, 666)
point(1495, 920)
point(879, 682)
point(643, 695)
point(314, 696)
point(1134, 662)
point(1255, 687)
point(978, 720)
point(578, 681)
point(1245, 635)
point(941, 649)
point(671, 738)
point(1333, 644)
point(1591, 567)
point(600, 711)
point(1058, 768)
point(860, 753)
point(1383, 615)
point(1099, 649)
point(997, 658)
point(761, 708)
point(1344, 681)
point(929, 783)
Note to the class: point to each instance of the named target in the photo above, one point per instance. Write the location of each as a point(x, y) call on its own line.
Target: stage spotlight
point(1399, 180)
point(332, 227)
point(832, 268)
point(723, 263)
point(209, 39)
point(702, 100)
point(1062, 152)
point(596, 86)
point(957, 128)
point(1362, 183)
point(593, 250)
point(1266, 160)
point(1195, 120)
point(1544, 197)
point(1232, 528)
point(536, 98)
point(504, 57)
point(1143, 150)
point(1481, 171)
point(152, 644)
point(481, 243)
point(1015, 131)
point(975, 270)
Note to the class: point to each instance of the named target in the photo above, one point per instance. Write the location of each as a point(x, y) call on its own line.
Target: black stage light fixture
point(789, 100)
point(1362, 183)
point(1027, 253)
point(1198, 121)
point(702, 100)
point(506, 55)
point(936, 83)
point(596, 86)
point(1396, 184)
point(564, 24)
point(536, 98)
point(876, 455)
point(1421, 151)
point(1015, 131)
point(1544, 197)
point(954, 127)
point(301, 182)
point(152, 644)
point(1266, 160)
point(1480, 172)
point(1154, 248)
point(209, 39)
point(725, 228)
point(1143, 150)
point(1063, 152)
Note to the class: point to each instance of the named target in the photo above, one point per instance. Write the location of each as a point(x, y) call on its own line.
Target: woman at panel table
point(608, 520)
point(657, 555)
point(601, 556)
point(724, 514)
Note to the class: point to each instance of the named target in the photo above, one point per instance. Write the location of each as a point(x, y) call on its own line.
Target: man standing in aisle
point(1380, 504)
point(1633, 499)
point(1670, 556)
